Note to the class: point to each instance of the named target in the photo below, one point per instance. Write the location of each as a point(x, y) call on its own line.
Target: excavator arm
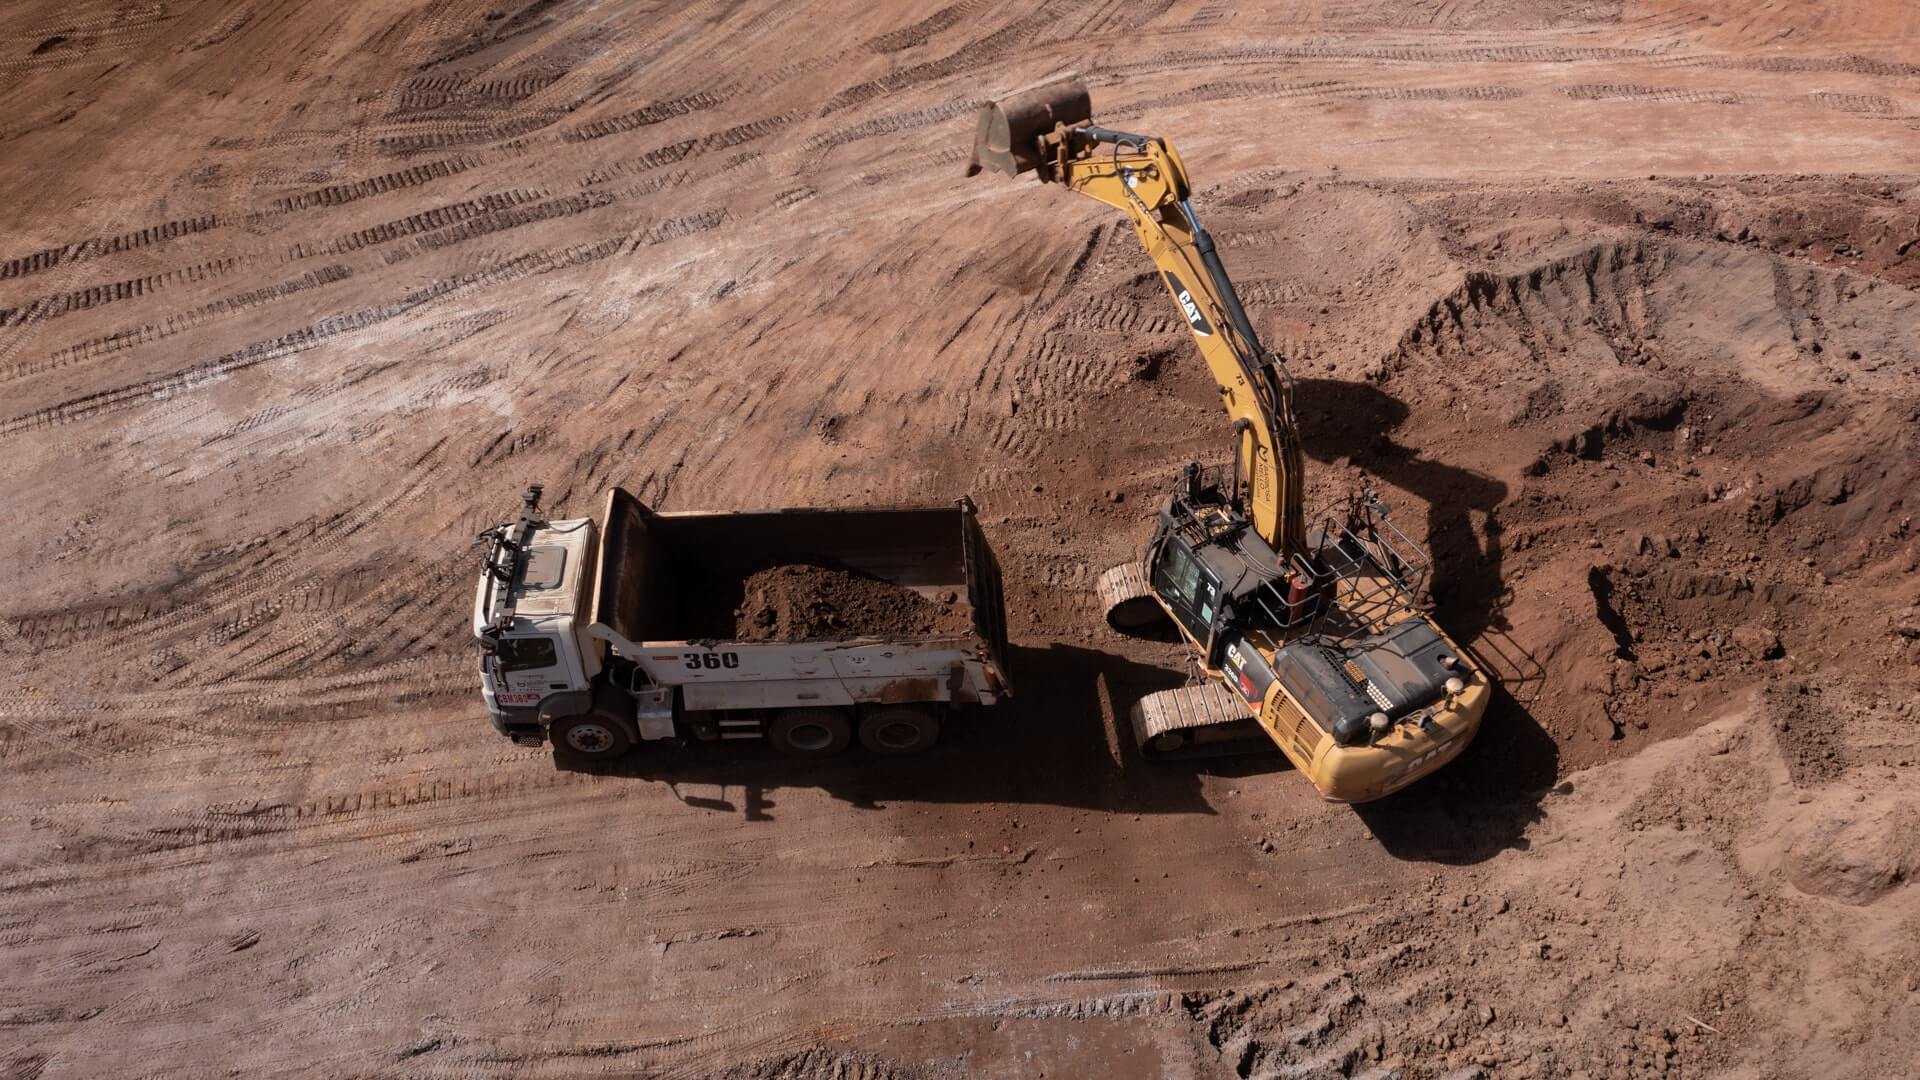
point(1050, 132)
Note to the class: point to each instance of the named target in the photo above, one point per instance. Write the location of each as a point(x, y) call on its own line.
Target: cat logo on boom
point(1199, 321)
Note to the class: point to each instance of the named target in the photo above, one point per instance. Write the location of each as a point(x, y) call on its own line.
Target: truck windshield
point(525, 654)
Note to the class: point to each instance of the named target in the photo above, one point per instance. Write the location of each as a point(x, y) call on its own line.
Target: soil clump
point(798, 601)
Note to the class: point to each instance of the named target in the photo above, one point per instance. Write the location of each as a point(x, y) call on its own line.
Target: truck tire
point(589, 737)
point(810, 732)
point(897, 730)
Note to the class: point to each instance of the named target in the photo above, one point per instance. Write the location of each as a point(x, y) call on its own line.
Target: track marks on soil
point(207, 372)
point(48, 258)
point(645, 116)
point(193, 318)
point(974, 55)
point(399, 180)
point(919, 33)
point(1631, 92)
point(447, 134)
point(674, 152)
point(437, 218)
point(1241, 90)
point(1601, 290)
point(94, 296)
point(502, 220)
point(1853, 103)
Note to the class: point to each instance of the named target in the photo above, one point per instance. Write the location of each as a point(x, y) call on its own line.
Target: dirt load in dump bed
point(816, 599)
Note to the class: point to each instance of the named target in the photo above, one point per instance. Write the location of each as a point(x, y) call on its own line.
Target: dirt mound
point(803, 600)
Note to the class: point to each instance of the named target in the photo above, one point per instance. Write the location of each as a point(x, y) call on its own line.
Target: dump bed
point(674, 590)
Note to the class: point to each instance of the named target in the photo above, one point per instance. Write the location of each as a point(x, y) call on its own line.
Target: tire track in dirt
point(500, 220)
point(384, 184)
point(1848, 64)
point(190, 319)
point(90, 40)
point(1326, 88)
point(917, 34)
point(281, 715)
point(316, 638)
point(1878, 104)
point(298, 341)
point(1630, 92)
point(1602, 289)
point(262, 592)
point(48, 258)
point(426, 220)
point(55, 305)
point(971, 56)
point(443, 92)
point(448, 134)
point(1281, 53)
point(645, 116)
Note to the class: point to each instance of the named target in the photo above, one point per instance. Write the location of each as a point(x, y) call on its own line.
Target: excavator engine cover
point(1313, 675)
point(1405, 665)
point(1009, 131)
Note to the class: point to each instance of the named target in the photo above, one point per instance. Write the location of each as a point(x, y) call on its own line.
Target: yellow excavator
point(1314, 635)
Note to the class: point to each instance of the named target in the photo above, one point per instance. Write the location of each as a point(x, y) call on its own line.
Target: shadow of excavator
point(1482, 803)
point(1354, 421)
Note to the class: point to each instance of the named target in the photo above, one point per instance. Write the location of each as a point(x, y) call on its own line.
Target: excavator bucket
point(1009, 131)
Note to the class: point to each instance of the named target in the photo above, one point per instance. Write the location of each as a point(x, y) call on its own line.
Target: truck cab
point(532, 591)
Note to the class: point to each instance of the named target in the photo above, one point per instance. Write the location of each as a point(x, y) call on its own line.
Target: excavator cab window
point(1184, 583)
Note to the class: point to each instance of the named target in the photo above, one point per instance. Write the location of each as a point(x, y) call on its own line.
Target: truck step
point(1206, 720)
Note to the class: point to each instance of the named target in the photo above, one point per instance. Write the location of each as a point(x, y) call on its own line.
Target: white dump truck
point(597, 636)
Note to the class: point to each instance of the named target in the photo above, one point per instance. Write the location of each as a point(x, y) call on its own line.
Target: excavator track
point(1207, 720)
point(1128, 599)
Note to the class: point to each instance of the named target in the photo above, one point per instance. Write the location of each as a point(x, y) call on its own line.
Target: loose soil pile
point(801, 601)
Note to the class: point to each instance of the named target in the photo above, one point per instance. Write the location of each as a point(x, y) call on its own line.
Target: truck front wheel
point(592, 737)
point(810, 732)
point(899, 729)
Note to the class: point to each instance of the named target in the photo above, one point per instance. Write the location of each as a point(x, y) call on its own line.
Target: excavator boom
point(1050, 132)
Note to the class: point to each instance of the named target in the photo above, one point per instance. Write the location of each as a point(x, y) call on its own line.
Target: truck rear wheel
point(899, 729)
point(589, 736)
point(810, 732)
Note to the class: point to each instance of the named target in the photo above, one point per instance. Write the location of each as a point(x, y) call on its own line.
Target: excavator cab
point(1190, 589)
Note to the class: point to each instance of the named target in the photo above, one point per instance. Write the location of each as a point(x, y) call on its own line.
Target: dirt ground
point(1616, 303)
